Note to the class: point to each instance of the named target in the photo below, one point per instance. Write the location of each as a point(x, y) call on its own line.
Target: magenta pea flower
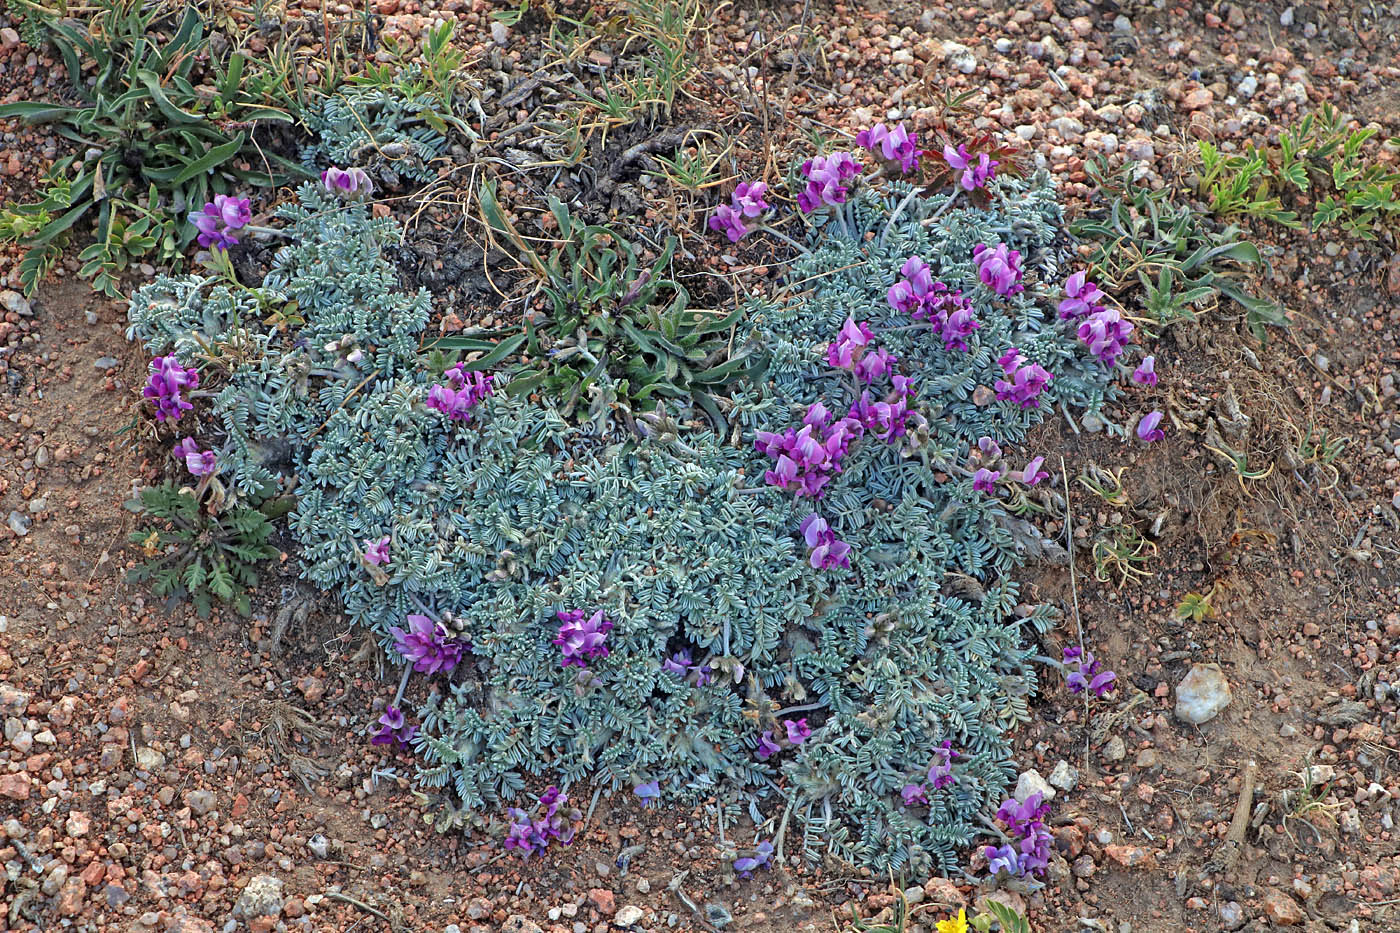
point(999, 268)
point(427, 644)
point(1033, 473)
point(975, 172)
point(198, 462)
point(826, 180)
point(581, 640)
point(531, 834)
point(163, 387)
point(1087, 674)
point(985, 480)
point(1024, 380)
point(219, 219)
point(1148, 430)
point(728, 221)
point(346, 182)
point(797, 731)
point(940, 769)
point(767, 748)
point(827, 550)
point(748, 198)
point(895, 146)
point(1028, 852)
point(913, 794)
point(393, 729)
point(1146, 372)
point(1105, 333)
point(762, 858)
point(377, 551)
point(463, 392)
point(1084, 297)
point(649, 792)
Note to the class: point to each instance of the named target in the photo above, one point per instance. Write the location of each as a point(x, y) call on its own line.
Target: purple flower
point(581, 640)
point(989, 447)
point(219, 218)
point(797, 731)
point(940, 769)
point(807, 458)
point(1002, 859)
point(534, 834)
point(893, 145)
point(351, 181)
point(762, 857)
point(728, 221)
point(748, 198)
point(1033, 474)
point(1030, 853)
point(1087, 673)
point(767, 748)
point(463, 392)
point(1146, 373)
point(984, 480)
point(1105, 333)
point(677, 664)
point(827, 551)
point(649, 792)
point(427, 644)
point(890, 418)
point(975, 172)
point(849, 345)
point(912, 794)
point(1084, 297)
point(377, 552)
point(393, 729)
point(198, 462)
point(826, 176)
point(1024, 380)
point(1148, 430)
point(999, 268)
point(163, 387)
point(923, 299)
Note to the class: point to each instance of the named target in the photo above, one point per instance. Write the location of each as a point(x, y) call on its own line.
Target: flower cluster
point(581, 640)
point(1105, 333)
point(376, 550)
point(1029, 850)
point(747, 201)
point(198, 462)
point(940, 775)
point(923, 299)
point(1146, 372)
point(827, 550)
point(349, 182)
point(533, 834)
point(1148, 429)
point(999, 268)
point(890, 418)
point(1024, 380)
point(762, 858)
point(463, 392)
point(851, 351)
point(394, 729)
point(220, 219)
point(680, 665)
point(826, 180)
point(797, 732)
point(1084, 297)
point(975, 172)
point(428, 644)
point(163, 387)
point(808, 458)
point(895, 146)
point(1087, 673)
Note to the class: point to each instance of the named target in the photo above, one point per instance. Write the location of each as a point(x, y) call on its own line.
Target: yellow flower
point(956, 924)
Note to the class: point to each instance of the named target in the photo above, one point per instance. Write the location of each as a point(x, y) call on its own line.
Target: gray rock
point(261, 898)
point(628, 915)
point(1231, 915)
point(1031, 782)
point(148, 759)
point(1064, 775)
point(106, 363)
point(1202, 694)
point(959, 57)
point(12, 702)
point(200, 801)
point(319, 846)
point(519, 923)
point(14, 301)
point(1114, 750)
point(20, 523)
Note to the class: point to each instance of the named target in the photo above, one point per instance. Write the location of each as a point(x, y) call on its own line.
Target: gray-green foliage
point(501, 522)
point(377, 129)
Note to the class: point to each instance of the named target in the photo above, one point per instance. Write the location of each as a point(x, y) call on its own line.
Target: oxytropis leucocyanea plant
point(763, 612)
